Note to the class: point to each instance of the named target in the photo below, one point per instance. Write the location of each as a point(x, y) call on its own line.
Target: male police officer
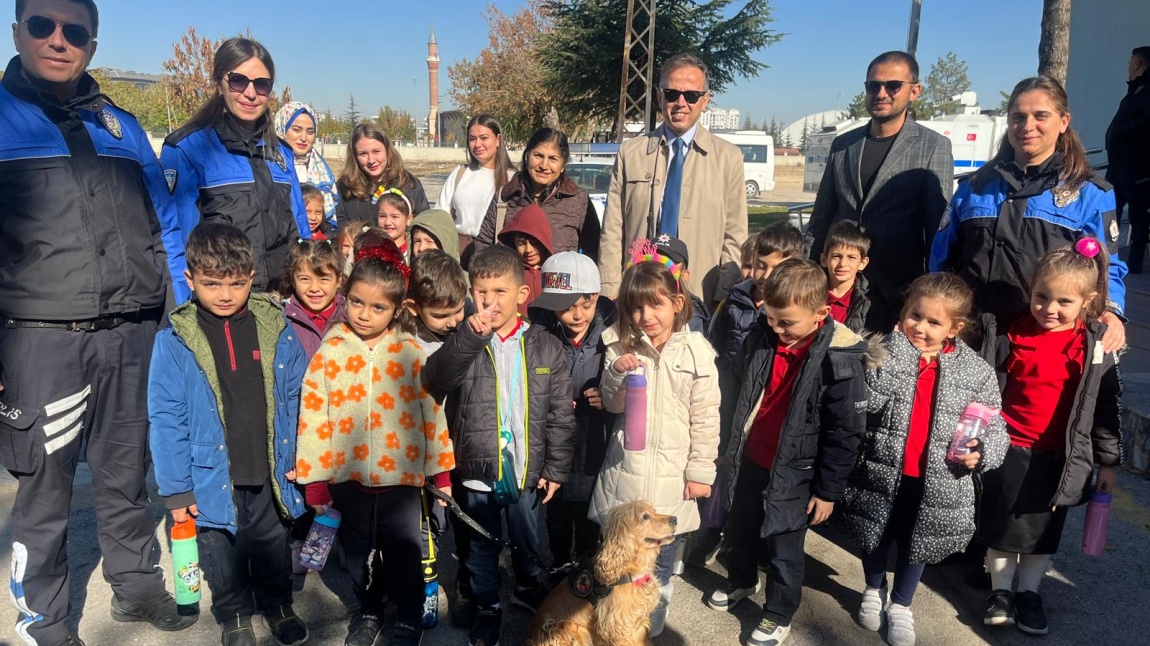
point(83, 277)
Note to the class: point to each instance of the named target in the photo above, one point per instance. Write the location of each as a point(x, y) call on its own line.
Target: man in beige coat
point(712, 205)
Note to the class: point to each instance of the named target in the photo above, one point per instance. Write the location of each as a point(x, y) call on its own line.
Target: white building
point(815, 121)
point(720, 119)
point(1102, 33)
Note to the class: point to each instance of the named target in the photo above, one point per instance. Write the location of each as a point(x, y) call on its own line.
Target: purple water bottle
point(635, 426)
point(320, 539)
point(715, 509)
point(972, 425)
point(1097, 516)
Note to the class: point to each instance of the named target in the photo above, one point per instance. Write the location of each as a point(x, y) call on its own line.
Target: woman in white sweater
point(469, 189)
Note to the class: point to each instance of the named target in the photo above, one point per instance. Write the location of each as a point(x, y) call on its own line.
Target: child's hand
point(696, 490)
point(821, 510)
point(446, 490)
point(594, 399)
point(627, 363)
point(1107, 476)
point(185, 514)
point(290, 475)
point(971, 460)
point(551, 488)
point(480, 321)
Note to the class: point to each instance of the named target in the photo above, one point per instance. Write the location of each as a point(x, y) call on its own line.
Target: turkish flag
point(972, 136)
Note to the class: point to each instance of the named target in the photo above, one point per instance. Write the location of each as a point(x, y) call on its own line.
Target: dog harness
point(583, 584)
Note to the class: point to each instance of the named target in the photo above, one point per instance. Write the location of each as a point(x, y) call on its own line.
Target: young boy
point(223, 402)
point(511, 389)
point(844, 257)
point(810, 454)
point(571, 309)
point(314, 206)
point(434, 229)
point(528, 232)
point(437, 295)
point(676, 250)
point(748, 257)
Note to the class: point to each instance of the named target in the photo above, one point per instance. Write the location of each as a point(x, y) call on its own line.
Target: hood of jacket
point(530, 220)
point(440, 226)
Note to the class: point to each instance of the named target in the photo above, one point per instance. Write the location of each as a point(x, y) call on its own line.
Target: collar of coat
point(703, 143)
point(517, 187)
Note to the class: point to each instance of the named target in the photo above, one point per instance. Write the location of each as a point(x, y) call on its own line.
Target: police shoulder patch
point(945, 222)
point(112, 123)
point(1064, 196)
point(1113, 230)
point(170, 176)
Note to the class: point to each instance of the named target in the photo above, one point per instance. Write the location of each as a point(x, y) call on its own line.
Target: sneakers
point(768, 633)
point(160, 611)
point(900, 625)
point(728, 596)
point(363, 630)
point(870, 610)
point(405, 634)
point(1028, 613)
point(238, 632)
point(287, 628)
point(485, 629)
point(999, 609)
point(529, 597)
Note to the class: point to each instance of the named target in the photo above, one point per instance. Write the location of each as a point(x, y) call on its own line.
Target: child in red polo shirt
point(795, 416)
point(844, 257)
point(904, 492)
point(1061, 405)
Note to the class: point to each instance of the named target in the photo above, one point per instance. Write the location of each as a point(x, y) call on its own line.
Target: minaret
point(433, 87)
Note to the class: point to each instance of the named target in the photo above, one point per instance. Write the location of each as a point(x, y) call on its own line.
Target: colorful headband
point(381, 191)
point(388, 253)
point(643, 250)
point(1087, 247)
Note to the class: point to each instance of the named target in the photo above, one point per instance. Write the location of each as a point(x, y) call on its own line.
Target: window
point(753, 154)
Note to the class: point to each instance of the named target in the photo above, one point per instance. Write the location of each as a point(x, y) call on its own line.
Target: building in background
point(141, 81)
point(720, 119)
point(792, 135)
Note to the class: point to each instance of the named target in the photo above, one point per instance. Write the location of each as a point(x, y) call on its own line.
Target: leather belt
point(89, 325)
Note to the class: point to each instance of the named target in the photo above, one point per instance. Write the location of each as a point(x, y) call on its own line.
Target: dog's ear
point(620, 544)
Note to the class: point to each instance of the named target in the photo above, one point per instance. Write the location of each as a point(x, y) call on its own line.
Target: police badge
point(1113, 230)
point(1064, 196)
point(111, 123)
point(945, 222)
point(170, 176)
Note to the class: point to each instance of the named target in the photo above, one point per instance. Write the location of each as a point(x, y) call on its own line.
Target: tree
point(857, 107)
point(747, 123)
point(332, 128)
point(188, 75)
point(583, 50)
point(1054, 44)
point(506, 78)
point(947, 79)
point(149, 105)
point(351, 115)
point(803, 138)
point(398, 124)
point(1004, 104)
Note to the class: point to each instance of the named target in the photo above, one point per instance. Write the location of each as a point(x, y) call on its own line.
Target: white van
point(758, 158)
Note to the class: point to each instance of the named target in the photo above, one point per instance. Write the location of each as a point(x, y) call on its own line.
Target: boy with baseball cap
point(676, 250)
point(571, 309)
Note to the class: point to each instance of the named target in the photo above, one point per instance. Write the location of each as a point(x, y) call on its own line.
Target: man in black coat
point(1128, 152)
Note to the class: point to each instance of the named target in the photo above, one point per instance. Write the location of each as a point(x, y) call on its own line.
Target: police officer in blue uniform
point(84, 216)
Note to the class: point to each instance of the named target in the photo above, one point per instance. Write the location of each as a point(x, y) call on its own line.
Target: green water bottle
point(186, 563)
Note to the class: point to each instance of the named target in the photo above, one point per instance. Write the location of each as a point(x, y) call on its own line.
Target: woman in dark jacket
point(542, 181)
point(373, 162)
point(226, 164)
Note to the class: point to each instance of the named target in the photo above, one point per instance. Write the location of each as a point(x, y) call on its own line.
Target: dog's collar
point(584, 585)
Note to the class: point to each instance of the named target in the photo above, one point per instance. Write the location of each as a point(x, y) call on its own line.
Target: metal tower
point(638, 66)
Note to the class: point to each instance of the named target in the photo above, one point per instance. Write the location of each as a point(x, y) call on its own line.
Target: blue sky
point(372, 48)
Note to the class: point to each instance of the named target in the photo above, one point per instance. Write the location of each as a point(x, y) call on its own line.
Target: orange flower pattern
point(350, 395)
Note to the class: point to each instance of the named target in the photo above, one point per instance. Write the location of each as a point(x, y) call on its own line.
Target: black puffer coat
point(464, 368)
point(351, 210)
point(946, 516)
point(858, 314)
point(819, 440)
point(1094, 436)
point(592, 426)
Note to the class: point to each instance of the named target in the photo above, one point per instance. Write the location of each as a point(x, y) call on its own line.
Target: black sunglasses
point(40, 28)
point(239, 83)
point(692, 96)
point(892, 87)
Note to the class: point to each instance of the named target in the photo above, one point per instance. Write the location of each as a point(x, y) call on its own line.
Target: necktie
point(669, 216)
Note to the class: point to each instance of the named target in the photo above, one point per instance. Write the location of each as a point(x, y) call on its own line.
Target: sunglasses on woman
point(239, 83)
point(40, 28)
point(692, 96)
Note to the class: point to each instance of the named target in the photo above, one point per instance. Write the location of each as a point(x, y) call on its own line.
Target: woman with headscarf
point(296, 125)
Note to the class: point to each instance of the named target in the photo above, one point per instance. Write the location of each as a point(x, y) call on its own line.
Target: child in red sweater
point(1061, 406)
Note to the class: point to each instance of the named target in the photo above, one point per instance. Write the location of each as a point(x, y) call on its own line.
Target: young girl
point(345, 242)
point(903, 492)
point(394, 216)
point(1061, 406)
point(315, 275)
point(317, 222)
point(678, 464)
point(370, 430)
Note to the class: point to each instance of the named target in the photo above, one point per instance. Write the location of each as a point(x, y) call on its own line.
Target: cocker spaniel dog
point(608, 599)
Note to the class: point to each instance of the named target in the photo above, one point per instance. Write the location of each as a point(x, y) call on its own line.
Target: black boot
point(160, 611)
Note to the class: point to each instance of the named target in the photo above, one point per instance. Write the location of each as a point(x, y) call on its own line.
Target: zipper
point(498, 416)
point(231, 348)
point(1079, 394)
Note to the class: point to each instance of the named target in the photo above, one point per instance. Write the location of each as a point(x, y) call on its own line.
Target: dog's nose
point(673, 521)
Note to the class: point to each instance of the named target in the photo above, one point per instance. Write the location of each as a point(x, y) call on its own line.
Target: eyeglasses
point(892, 87)
point(40, 28)
point(239, 83)
point(692, 96)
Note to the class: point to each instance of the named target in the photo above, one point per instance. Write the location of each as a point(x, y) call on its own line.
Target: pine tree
point(352, 114)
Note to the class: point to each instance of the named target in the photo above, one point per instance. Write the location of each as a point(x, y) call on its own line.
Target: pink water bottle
point(972, 425)
point(1094, 532)
point(635, 424)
